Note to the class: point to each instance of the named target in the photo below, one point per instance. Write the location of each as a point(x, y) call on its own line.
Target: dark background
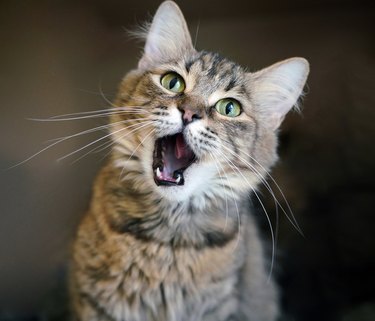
point(59, 57)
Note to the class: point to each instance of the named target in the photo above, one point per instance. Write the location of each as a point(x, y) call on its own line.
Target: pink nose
point(188, 115)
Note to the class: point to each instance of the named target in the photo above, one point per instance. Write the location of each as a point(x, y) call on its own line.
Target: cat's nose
point(189, 114)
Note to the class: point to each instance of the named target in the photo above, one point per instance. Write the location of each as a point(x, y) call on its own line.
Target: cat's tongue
point(172, 155)
point(182, 150)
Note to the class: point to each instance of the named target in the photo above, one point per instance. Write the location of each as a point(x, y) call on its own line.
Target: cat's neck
point(147, 216)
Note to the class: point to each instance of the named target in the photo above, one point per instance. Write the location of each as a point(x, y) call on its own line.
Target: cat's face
point(208, 125)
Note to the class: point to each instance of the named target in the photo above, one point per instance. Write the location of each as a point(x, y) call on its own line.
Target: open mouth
point(172, 156)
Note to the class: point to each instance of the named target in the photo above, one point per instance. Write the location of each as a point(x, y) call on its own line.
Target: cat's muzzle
point(172, 156)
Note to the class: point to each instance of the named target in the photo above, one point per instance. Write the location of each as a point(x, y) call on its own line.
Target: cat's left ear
point(168, 38)
point(276, 89)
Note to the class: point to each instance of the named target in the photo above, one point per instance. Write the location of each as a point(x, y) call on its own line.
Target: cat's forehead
point(212, 75)
point(213, 65)
point(214, 71)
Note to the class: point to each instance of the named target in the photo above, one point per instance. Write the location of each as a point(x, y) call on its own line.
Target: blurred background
point(60, 57)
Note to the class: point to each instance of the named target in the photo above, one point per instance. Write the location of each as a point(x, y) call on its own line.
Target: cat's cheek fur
point(193, 137)
point(170, 123)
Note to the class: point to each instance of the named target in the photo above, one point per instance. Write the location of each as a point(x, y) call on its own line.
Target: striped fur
point(192, 252)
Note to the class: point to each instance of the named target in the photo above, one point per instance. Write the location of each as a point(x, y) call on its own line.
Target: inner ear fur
point(168, 38)
point(276, 89)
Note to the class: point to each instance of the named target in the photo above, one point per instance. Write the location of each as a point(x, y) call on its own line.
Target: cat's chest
point(156, 281)
point(151, 264)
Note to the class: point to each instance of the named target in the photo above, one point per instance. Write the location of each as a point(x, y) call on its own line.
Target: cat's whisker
point(102, 115)
point(95, 129)
point(291, 218)
point(140, 126)
point(105, 110)
point(268, 187)
point(115, 141)
point(92, 92)
point(62, 139)
point(295, 224)
point(235, 202)
point(261, 178)
point(92, 114)
point(84, 132)
point(276, 184)
point(89, 112)
point(105, 97)
point(222, 182)
point(91, 130)
point(234, 167)
point(56, 141)
point(97, 149)
point(101, 147)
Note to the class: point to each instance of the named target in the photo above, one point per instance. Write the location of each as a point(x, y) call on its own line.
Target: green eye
point(228, 107)
point(173, 82)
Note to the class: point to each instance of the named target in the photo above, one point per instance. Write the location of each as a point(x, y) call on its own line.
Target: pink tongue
point(182, 150)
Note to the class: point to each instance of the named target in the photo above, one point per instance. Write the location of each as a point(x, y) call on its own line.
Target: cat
point(169, 235)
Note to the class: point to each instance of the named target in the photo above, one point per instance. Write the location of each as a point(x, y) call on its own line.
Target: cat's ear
point(276, 89)
point(168, 38)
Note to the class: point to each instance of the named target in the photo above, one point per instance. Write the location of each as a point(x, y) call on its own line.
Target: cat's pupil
point(173, 82)
point(229, 108)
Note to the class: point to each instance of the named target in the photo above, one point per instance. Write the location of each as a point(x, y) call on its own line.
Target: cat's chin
point(171, 158)
point(197, 181)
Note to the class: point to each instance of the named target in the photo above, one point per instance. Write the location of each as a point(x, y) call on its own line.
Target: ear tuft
point(168, 37)
point(276, 89)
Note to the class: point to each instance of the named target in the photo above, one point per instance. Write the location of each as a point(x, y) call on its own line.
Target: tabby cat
point(168, 235)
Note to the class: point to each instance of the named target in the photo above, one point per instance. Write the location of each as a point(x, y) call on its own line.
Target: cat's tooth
point(178, 179)
point(158, 173)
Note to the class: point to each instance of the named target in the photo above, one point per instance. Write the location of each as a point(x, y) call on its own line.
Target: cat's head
point(198, 125)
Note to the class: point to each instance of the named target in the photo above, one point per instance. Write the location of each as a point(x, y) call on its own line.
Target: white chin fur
point(197, 180)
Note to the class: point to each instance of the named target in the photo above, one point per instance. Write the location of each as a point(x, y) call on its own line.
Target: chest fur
point(139, 280)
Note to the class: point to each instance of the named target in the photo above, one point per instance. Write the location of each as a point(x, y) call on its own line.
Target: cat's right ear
point(168, 38)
